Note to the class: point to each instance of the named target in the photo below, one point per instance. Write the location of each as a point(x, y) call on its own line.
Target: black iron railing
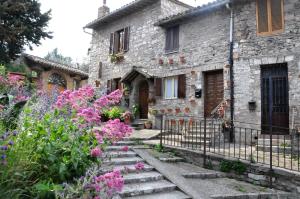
point(275, 147)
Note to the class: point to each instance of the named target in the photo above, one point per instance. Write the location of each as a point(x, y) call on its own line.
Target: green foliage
point(47, 153)
point(55, 56)
point(114, 113)
point(16, 68)
point(135, 110)
point(209, 164)
point(236, 166)
point(22, 23)
point(159, 148)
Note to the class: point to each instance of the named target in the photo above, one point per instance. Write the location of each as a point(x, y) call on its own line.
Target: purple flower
point(15, 133)
point(3, 157)
point(11, 143)
point(4, 148)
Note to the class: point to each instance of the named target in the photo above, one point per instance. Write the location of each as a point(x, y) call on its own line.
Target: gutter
point(231, 64)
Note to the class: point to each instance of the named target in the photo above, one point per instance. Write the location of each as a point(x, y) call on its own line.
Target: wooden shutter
point(126, 38)
point(175, 38)
point(109, 86)
point(168, 45)
point(100, 70)
point(111, 45)
point(116, 42)
point(158, 87)
point(181, 86)
point(277, 14)
point(262, 16)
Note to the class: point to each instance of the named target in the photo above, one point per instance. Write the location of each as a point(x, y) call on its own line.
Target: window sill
point(174, 98)
point(171, 52)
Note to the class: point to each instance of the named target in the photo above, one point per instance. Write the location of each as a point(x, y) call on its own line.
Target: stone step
point(116, 148)
point(275, 142)
point(121, 154)
point(138, 189)
point(130, 168)
point(165, 195)
point(207, 175)
point(172, 159)
point(124, 161)
point(142, 177)
point(276, 149)
point(125, 143)
point(254, 196)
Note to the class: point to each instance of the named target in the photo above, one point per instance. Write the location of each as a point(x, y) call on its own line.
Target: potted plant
point(160, 61)
point(171, 61)
point(186, 109)
point(127, 117)
point(116, 58)
point(153, 111)
point(126, 91)
point(148, 124)
point(182, 59)
point(177, 110)
point(135, 110)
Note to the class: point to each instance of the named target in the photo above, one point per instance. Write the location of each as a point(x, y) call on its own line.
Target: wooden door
point(213, 91)
point(143, 100)
point(275, 99)
point(53, 87)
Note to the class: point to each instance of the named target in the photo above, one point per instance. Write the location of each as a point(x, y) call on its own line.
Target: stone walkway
point(179, 180)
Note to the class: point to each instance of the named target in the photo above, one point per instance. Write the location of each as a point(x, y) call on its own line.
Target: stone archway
point(143, 94)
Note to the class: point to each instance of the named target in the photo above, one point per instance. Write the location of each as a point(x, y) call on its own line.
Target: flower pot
point(177, 110)
point(148, 125)
point(186, 109)
point(127, 120)
point(160, 61)
point(171, 61)
point(182, 59)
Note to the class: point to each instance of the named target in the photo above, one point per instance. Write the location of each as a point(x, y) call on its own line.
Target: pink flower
point(139, 166)
point(115, 130)
point(96, 152)
point(97, 197)
point(125, 148)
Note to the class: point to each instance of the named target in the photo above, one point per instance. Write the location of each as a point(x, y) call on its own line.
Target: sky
point(68, 19)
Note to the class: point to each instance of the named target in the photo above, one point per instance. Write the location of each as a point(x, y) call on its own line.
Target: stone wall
point(251, 51)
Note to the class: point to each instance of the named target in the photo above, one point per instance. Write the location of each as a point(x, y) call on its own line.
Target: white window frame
point(174, 87)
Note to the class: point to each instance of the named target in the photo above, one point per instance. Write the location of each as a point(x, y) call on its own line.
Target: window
point(269, 16)
point(119, 41)
point(100, 70)
point(114, 84)
point(172, 39)
point(171, 88)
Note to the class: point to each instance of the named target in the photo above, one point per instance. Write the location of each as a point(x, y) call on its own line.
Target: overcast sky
point(68, 18)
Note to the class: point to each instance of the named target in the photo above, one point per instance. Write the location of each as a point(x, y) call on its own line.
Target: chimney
point(103, 10)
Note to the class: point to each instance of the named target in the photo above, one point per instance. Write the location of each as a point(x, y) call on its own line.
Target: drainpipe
point(230, 60)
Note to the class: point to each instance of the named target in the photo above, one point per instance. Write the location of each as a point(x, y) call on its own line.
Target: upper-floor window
point(119, 41)
point(270, 16)
point(172, 39)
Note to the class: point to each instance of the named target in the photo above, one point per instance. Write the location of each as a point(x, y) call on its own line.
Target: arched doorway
point(143, 99)
point(56, 81)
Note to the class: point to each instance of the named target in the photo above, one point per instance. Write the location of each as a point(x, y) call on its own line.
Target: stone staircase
point(138, 124)
point(279, 144)
point(194, 134)
point(145, 184)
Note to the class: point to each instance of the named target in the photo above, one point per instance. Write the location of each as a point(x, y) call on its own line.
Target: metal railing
point(275, 147)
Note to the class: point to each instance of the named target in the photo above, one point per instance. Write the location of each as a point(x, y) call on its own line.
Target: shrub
point(236, 166)
point(114, 113)
point(225, 166)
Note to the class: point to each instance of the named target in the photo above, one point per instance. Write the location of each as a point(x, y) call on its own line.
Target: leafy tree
point(21, 24)
point(55, 56)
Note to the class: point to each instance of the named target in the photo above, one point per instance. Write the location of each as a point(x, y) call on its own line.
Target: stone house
point(52, 74)
point(239, 55)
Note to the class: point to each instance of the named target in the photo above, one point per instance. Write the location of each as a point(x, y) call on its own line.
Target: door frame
point(267, 125)
point(146, 104)
point(205, 73)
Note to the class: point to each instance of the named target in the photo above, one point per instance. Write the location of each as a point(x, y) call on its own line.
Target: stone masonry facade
point(204, 45)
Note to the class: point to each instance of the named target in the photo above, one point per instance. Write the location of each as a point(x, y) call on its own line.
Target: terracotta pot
point(182, 59)
point(127, 120)
point(177, 110)
point(160, 61)
point(186, 109)
point(162, 111)
point(148, 125)
point(170, 110)
point(171, 61)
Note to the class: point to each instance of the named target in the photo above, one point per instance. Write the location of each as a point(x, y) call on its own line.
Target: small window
point(269, 16)
point(171, 88)
point(119, 41)
point(100, 70)
point(172, 39)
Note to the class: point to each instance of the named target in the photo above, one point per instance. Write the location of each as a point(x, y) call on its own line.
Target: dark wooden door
point(214, 91)
point(143, 100)
point(275, 99)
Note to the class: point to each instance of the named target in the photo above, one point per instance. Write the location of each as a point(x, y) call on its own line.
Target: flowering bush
point(59, 144)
